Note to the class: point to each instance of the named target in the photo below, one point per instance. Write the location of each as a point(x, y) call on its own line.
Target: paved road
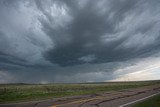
point(122, 98)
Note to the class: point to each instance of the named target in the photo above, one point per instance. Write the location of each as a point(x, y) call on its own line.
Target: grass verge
point(151, 102)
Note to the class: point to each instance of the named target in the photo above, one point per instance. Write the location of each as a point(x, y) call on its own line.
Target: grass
point(151, 102)
point(29, 92)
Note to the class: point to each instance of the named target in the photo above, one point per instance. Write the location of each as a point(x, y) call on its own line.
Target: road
point(122, 98)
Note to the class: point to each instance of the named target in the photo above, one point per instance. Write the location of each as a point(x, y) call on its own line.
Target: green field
point(151, 102)
point(28, 92)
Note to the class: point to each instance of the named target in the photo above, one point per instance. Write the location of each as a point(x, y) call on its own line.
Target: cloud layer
point(88, 39)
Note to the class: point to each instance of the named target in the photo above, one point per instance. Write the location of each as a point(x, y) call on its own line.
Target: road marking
point(138, 100)
point(85, 100)
point(80, 101)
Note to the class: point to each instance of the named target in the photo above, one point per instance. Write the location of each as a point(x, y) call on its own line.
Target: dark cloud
point(87, 28)
point(59, 38)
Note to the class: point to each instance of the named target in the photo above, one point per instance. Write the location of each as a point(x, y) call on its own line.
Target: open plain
point(111, 94)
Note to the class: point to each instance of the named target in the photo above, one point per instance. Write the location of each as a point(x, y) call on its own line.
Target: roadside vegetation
point(28, 92)
point(151, 102)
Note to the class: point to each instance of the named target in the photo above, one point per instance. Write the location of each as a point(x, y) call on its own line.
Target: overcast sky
point(43, 41)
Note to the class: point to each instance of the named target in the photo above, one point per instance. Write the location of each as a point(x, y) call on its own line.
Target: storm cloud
point(80, 40)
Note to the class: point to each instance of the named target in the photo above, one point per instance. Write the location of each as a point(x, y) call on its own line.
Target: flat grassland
point(151, 102)
point(30, 92)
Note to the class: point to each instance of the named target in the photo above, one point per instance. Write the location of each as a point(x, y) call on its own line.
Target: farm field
point(10, 93)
